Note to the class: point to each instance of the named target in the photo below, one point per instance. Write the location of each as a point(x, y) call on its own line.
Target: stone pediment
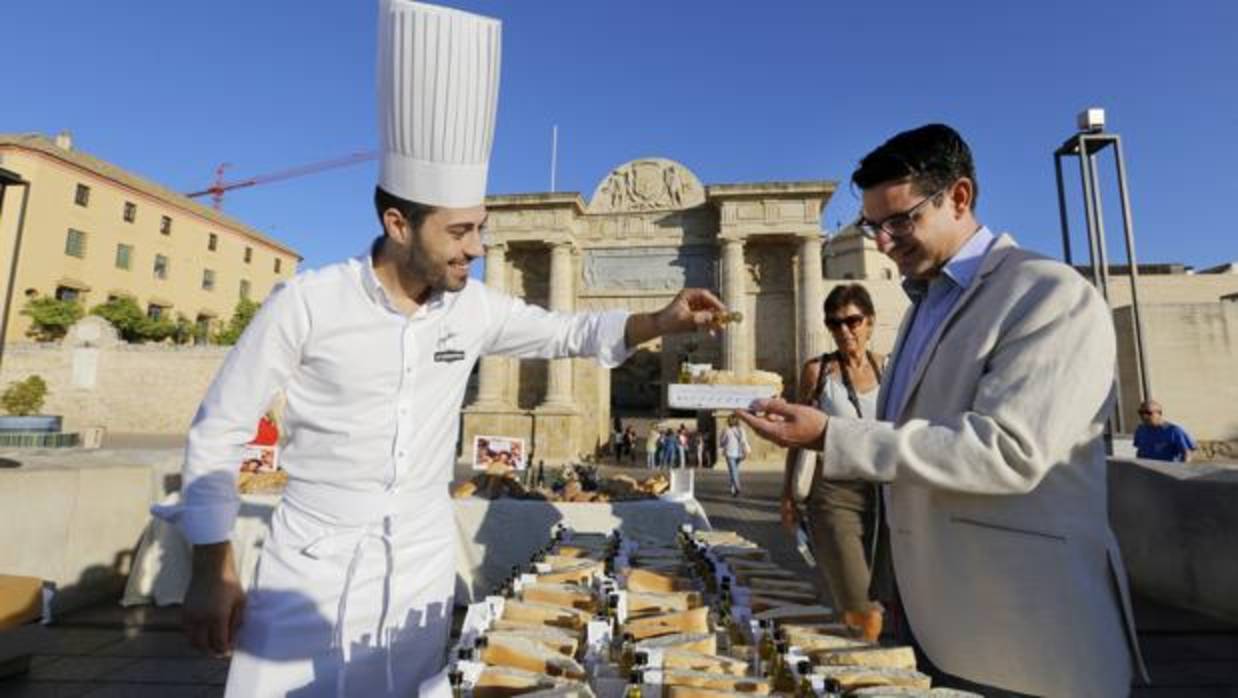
point(648, 184)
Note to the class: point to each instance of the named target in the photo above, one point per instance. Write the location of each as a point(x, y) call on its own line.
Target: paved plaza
point(140, 652)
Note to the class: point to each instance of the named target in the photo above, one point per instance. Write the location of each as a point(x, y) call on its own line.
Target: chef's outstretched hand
point(691, 310)
point(786, 423)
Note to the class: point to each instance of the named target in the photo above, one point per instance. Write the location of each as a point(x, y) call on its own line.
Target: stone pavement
point(140, 652)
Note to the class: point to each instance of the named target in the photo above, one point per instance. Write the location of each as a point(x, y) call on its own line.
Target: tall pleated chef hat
point(438, 90)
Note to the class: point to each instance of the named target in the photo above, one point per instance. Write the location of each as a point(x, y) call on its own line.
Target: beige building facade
point(650, 229)
point(85, 229)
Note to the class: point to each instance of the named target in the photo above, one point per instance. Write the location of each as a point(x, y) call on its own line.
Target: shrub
point(244, 312)
point(132, 324)
point(125, 315)
point(51, 318)
point(24, 398)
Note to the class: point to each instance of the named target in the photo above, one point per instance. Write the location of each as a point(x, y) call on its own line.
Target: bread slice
point(569, 690)
point(766, 585)
point(694, 692)
point(557, 639)
point(545, 614)
point(745, 575)
point(902, 691)
point(527, 654)
point(759, 603)
point(654, 580)
point(885, 657)
point(565, 595)
point(503, 682)
point(716, 682)
point(838, 637)
point(578, 552)
point(646, 602)
point(850, 678)
point(697, 661)
point(693, 621)
point(706, 643)
point(798, 614)
point(578, 572)
point(716, 538)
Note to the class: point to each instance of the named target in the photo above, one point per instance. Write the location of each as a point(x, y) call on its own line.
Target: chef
point(352, 594)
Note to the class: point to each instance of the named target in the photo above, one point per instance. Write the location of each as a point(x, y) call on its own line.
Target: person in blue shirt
point(1159, 439)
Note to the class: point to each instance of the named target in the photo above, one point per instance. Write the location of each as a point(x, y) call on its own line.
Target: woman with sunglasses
point(842, 516)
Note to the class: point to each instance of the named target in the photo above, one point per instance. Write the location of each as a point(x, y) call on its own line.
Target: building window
point(67, 293)
point(208, 279)
point(165, 225)
point(156, 312)
point(161, 267)
point(82, 196)
point(249, 254)
point(212, 242)
point(202, 329)
point(131, 211)
point(277, 264)
point(124, 256)
point(75, 244)
point(245, 289)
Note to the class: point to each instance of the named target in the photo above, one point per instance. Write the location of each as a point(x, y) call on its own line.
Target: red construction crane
point(217, 189)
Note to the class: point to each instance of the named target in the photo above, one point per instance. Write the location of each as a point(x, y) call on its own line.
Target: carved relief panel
point(650, 184)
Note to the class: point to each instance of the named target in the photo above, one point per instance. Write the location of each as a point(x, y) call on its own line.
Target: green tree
point(24, 398)
point(51, 318)
point(132, 324)
point(183, 330)
point(125, 315)
point(244, 312)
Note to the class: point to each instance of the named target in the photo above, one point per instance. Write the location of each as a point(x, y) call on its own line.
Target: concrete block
point(1175, 524)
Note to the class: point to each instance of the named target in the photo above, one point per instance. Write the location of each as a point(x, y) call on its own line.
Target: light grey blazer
point(1008, 571)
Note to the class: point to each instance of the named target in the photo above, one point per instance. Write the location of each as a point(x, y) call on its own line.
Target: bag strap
point(852, 397)
point(820, 386)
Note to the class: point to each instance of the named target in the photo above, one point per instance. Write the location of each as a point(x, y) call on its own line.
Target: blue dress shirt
point(932, 301)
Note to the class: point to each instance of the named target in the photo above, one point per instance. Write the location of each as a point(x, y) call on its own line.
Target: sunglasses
point(1149, 412)
point(851, 321)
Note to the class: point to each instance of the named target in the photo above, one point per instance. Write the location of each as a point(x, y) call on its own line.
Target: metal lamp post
point(1090, 140)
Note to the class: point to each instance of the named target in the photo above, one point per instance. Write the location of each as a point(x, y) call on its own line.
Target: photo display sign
point(499, 451)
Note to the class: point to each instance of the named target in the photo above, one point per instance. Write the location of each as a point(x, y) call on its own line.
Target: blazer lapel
point(992, 259)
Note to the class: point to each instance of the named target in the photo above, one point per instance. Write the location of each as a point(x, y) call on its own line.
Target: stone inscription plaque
point(650, 268)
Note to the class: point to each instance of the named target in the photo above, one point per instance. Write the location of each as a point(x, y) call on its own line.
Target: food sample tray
point(704, 396)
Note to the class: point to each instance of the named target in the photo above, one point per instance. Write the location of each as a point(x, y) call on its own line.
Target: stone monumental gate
point(650, 229)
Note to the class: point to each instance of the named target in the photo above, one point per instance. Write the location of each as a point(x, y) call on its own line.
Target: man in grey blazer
point(992, 416)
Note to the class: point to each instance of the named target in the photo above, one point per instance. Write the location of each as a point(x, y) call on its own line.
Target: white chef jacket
point(352, 593)
point(373, 395)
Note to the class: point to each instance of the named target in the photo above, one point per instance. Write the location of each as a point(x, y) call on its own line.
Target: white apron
point(361, 608)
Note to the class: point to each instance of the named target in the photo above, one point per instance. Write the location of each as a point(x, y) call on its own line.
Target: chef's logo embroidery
point(444, 353)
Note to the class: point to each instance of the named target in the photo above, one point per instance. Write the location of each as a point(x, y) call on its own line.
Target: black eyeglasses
point(851, 321)
point(899, 225)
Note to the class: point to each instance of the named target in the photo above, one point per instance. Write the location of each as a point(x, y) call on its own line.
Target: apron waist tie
point(333, 544)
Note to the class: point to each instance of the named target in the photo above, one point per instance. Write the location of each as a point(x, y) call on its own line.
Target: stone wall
point(1192, 354)
point(95, 380)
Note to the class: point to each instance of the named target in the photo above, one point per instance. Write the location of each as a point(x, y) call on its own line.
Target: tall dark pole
point(1090, 140)
point(9, 178)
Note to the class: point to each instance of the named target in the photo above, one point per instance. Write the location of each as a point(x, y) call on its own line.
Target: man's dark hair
point(849, 294)
point(412, 211)
point(932, 157)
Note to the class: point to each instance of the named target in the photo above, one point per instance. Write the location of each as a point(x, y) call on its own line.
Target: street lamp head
point(1091, 119)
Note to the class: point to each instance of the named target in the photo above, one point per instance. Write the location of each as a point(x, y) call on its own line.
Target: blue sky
point(735, 91)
